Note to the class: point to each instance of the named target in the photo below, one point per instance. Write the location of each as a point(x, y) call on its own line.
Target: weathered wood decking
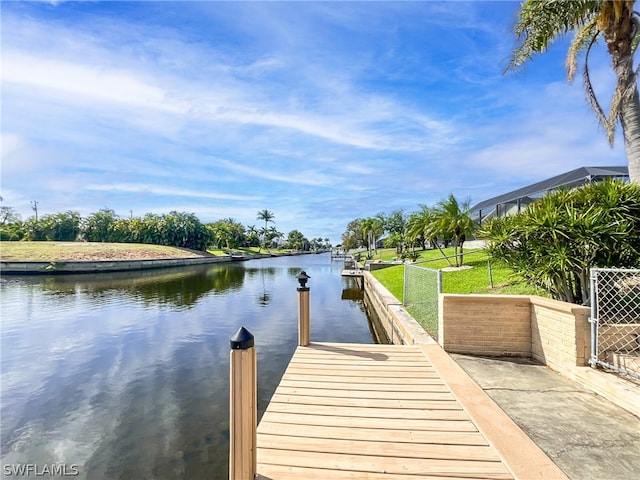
point(352, 411)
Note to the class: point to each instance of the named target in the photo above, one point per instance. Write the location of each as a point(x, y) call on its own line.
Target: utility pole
point(34, 207)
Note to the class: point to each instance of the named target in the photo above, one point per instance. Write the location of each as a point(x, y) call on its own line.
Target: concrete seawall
point(399, 327)
point(62, 267)
point(31, 268)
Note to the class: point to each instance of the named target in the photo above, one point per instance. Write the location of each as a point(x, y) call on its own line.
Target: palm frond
point(541, 22)
point(584, 38)
point(593, 100)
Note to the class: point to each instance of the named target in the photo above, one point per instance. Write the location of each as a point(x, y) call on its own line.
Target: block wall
point(492, 325)
point(560, 333)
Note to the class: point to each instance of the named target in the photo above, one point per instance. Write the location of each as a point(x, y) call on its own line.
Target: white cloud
point(165, 191)
point(83, 81)
point(293, 175)
point(9, 142)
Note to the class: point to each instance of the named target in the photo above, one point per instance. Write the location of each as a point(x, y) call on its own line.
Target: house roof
point(570, 179)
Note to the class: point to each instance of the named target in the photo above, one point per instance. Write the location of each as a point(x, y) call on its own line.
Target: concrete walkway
point(588, 437)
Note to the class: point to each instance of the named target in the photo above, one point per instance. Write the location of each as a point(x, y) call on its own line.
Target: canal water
point(125, 375)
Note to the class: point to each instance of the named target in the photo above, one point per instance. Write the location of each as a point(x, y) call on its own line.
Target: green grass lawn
point(472, 280)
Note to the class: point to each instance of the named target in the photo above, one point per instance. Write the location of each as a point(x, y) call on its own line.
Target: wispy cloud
point(234, 107)
point(164, 191)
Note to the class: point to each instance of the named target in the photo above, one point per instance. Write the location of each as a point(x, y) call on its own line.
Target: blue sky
point(319, 112)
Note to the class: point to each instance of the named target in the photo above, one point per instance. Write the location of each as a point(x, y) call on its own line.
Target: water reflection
point(126, 375)
point(265, 274)
point(182, 288)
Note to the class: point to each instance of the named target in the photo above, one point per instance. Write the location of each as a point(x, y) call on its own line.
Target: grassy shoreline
point(89, 252)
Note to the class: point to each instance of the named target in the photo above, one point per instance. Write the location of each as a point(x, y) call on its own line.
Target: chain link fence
point(420, 296)
point(615, 320)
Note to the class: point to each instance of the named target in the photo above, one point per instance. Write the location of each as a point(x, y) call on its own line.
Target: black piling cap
point(242, 339)
point(303, 278)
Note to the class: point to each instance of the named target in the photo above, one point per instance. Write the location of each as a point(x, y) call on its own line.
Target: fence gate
point(615, 320)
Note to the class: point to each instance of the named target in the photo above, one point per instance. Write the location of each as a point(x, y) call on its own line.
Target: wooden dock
point(353, 411)
point(352, 272)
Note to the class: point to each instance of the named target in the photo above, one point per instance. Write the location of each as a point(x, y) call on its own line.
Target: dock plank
point(397, 435)
point(332, 461)
point(352, 411)
point(313, 421)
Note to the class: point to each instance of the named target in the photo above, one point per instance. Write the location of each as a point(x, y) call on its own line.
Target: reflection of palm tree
point(265, 297)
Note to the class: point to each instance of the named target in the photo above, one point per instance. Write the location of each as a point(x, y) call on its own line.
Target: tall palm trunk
point(619, 38)
point(630, 121)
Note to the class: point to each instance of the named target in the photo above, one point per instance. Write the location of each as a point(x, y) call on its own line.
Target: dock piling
point(304, 334)
point(243, 412)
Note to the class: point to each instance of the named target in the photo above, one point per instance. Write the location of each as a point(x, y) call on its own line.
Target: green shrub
point(559, 238)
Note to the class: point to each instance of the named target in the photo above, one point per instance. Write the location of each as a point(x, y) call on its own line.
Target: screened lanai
point(517, 200)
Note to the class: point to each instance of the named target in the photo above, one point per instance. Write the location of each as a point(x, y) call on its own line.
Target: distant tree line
point(446, 223)
point(177, 229)
point(552, 244)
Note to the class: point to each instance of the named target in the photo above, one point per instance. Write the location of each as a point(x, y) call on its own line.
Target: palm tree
point(453, 218)
point(252, 236)
point(371, 228)
point(267, 216)
point(426, 225)
point(417, 224)
point(540, 22)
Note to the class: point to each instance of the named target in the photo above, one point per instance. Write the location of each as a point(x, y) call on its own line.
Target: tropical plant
point(58, 227)
point(353, 237)
point(557, 240)
point(253, 236)
point(417, 225)
point(372, 228)
point(11, 226)
point(227, 233)
point(12, 232)
point(540, 22)
point(267, 216)
point(395, 224)
point(297, 240)
point(8, 215)
point(453, 219)
point(97, 226)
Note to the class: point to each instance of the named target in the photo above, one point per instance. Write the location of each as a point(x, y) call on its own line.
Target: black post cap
point(303, 278)
point(242, 339)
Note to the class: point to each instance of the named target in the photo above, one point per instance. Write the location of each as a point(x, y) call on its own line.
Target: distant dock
point(352, 273)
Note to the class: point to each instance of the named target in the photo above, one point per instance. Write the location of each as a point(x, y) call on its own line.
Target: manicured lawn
point(470, 280)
